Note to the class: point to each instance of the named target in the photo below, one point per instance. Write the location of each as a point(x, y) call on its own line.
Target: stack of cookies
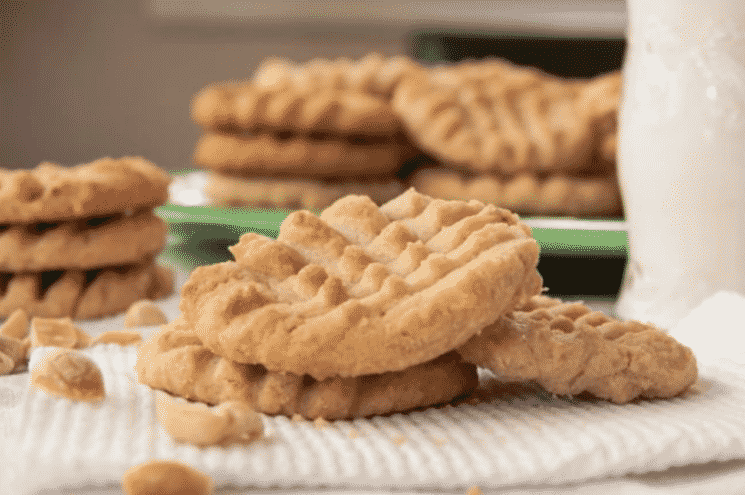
point(516, 137)
point(369, 310)
point(81, 241)
point(490, 130)
point(290, 141)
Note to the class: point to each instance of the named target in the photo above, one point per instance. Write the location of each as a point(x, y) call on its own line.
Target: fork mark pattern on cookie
point(250, 107)
point(265, 154)
point(567, 349)
point(51, 192)
point(296, 193)
point(372, 299)
point(81, 244)
point(500, 118)
point(373, 74)
point(81, 294)
point(526, 193)
point(207, 377)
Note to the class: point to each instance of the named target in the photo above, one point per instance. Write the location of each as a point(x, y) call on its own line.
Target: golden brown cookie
point(270, 154)
point(174, 360)
point(501, 124)
point(373, 74)
point(81, 244)
point(601, 98)
point(282, 107)
point(51, 192)
point(80, 294)
point(567, 349)
point(295, 193)
point(364, 289)
point(526, 193)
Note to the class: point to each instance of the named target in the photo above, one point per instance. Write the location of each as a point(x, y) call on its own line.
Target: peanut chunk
point(16, 350)
point(58, 332)
point(230, 422)
point(144, 313)
point(16, 325)
point(120, 337)
point(6, 364)
point(69, 374)
point(165, 478)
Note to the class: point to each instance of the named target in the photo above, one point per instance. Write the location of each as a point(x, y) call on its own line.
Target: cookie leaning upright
point(81, 241)
point(364, 289)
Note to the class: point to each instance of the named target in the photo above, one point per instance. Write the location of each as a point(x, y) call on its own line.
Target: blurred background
point(84, 79)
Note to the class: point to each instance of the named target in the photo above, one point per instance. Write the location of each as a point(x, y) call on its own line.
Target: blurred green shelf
point(201, 235)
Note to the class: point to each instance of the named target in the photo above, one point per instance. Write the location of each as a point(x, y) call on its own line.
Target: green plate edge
point(197, 225)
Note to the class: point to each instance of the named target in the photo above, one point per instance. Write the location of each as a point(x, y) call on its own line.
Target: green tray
point(201, 235)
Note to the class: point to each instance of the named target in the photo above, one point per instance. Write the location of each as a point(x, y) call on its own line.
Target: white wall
point(80, 80)
point(85, 79)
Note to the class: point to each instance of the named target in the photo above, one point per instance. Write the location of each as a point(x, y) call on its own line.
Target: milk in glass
point(681, 155)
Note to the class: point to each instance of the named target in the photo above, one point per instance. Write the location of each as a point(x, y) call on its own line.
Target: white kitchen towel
point(520, 435)
point(715, 329)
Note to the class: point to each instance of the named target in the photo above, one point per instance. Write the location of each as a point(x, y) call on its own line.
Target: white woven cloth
point(522, 436)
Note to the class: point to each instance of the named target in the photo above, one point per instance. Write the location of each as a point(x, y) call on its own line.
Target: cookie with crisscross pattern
point(175, 360)
point(51, 192)
point(82, 244)
point(364, 289)
point(567, 349)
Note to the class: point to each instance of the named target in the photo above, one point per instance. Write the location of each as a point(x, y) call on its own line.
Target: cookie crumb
point(16, 351)
point(119, 337)
point(16, 325)
point(196, 424)
point(58, 332)
point(320, 423)
point(69, 374)
point(6, 364)
point(352, 433)
point(399, 439)
point(165, 478)
point(297, 418)
point(144, 313)
point(474, 490)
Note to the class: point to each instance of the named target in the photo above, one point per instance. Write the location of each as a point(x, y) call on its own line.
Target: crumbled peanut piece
point(144, 313)
point(320, 423)
point(399, 440)
point(69, 374)
point(15, 349)
point(245, 423)
point(231, 422)
point(165, 478)
point(120, 337)
point(474, 490)
point(6, 364)
point(297, 418)
point(84, 340)
point(16, 325)
point(58, 332)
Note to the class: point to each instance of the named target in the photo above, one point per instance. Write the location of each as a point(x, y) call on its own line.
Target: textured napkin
point(513, 435)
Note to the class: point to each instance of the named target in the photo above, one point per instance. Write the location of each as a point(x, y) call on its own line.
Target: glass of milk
point(681, 155)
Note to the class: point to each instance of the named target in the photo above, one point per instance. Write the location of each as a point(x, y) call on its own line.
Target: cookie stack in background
point(487, 130)
point(81, 241)
point(292, 141)
point(515, 137)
